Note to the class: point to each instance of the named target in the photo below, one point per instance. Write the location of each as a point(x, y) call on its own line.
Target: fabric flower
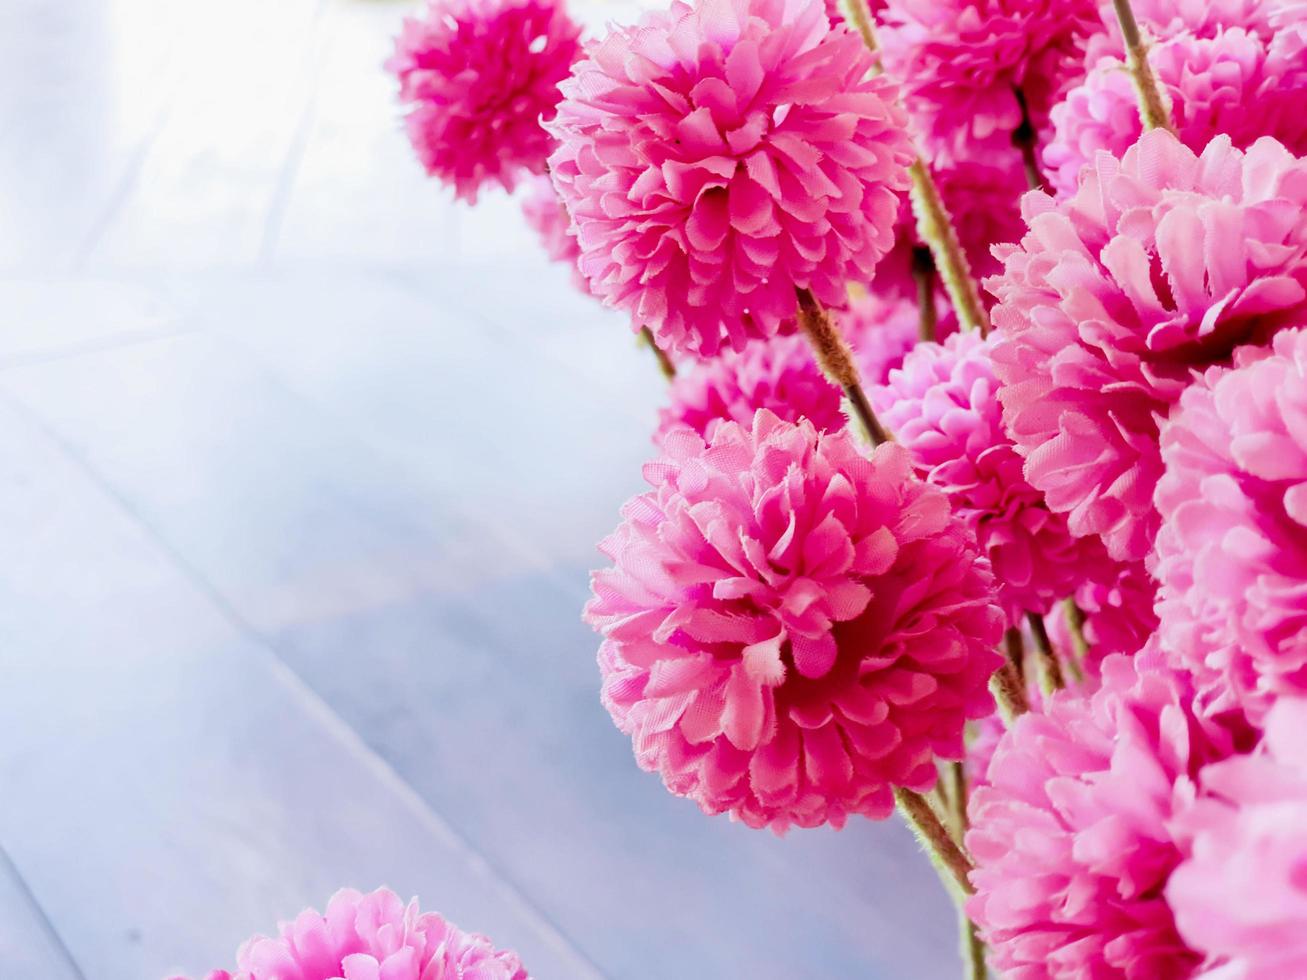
point(546, 215)
point(792, 628)
point(1117, 604)
point(1234, 82)
point(717, 157)
point(961, 63)
point(371, 937)
point(1241, 897)
point(1070, 829)
point(475, 78)
point(1232, 552)
point(1163, 19)
point(942, 406)
point(776, 373)
point(882, 329)
point(1160, 264)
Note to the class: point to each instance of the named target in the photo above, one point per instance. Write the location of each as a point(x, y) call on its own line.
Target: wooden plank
point(169, 786)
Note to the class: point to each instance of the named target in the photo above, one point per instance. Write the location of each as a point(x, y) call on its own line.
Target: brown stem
point(1014, 647)
point(935, 226)
point(836, 360)
point(1025, 139)
point(1050, 668)
point(955, 781)
point(1154, 112)
point(665, 364)
point(923, 272)
point(1009, 692)
point(948, 858)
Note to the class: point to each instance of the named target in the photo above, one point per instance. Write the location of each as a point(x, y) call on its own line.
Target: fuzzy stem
point(1050, 669)
point(836, 361)
point(665, 364)
point(1025, 139)
point(1154, 111)
point(973, 950)
point(955, 781)
point(1075, 621)
point(934, 224)
point(948, 858)
point(1014, 648)
point(1009, 692)
point(923, 272)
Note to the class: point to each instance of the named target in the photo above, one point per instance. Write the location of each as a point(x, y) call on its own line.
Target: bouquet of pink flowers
point(1046, 596)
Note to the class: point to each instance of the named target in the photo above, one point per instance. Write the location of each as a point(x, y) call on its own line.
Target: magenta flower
point(1159, 265)
point(942, 406)
point(1241, 897)
point(775, 373)
point(1234, 82)
point(882, 329)
point(1070, 831)
point(1232, 553)
point(718, 156)
point(961, 63)
point(476, 77)
point(546, 215)
point(1118, 608)
point(371, 937)
point(790, 627)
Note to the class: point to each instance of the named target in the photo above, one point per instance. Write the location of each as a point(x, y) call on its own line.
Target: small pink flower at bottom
point(792, 628)
point(371, 937)
point(1070, 832)
point(1241, 896)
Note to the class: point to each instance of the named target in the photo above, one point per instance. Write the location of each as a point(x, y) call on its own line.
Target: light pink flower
point(1159, 265)
point(882, 329)
point(547, 216)
point(371, 937)
point(775, 373)
point(1232, 553)
point(792, 628)
point(942, 406)
point(1234, 82)
point(1165, 19)
point(718, 156)
point(1241, 897)
point(962, 61)
point(475, 78)
point(1070, 831)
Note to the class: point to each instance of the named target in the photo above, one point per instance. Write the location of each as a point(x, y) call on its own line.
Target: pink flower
point(720, 155)
point(775, 373)
point(1234, 82)
point(1118, 608)
point(1241, 897)
point(961, 63)
point(1070, 833)
point(1164, 19)
point(792, 628)
point(1232, 553)
point(942, 406)
point(476, 77)
point(372, 937)
point(882, 329)
point(546, 214)
point(1159, 265)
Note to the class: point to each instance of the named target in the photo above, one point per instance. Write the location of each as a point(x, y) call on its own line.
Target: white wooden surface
point(301, 470)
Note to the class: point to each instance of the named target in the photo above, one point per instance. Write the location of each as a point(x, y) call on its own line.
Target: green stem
point(948, 858)
point(1154, 112)
point(1050, 668)
point(665, 364)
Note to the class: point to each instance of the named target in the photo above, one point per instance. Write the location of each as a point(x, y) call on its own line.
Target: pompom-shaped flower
point(719, 156)
point(881, 329)
point(792, 628)
point(962, 63)
point(942, 406)
point(1159, 265)
point(547, 216)
point(1233, 83)
point(1232, 553)
point(1241, 897)
point(775, 373)
point(476, 77)
point(1117, 604)
point(1070, 830)
point(372, 937)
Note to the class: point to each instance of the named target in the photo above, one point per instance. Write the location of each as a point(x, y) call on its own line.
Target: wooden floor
point(301, 471)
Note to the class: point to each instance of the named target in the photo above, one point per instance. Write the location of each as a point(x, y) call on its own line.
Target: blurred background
point(301, 471)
